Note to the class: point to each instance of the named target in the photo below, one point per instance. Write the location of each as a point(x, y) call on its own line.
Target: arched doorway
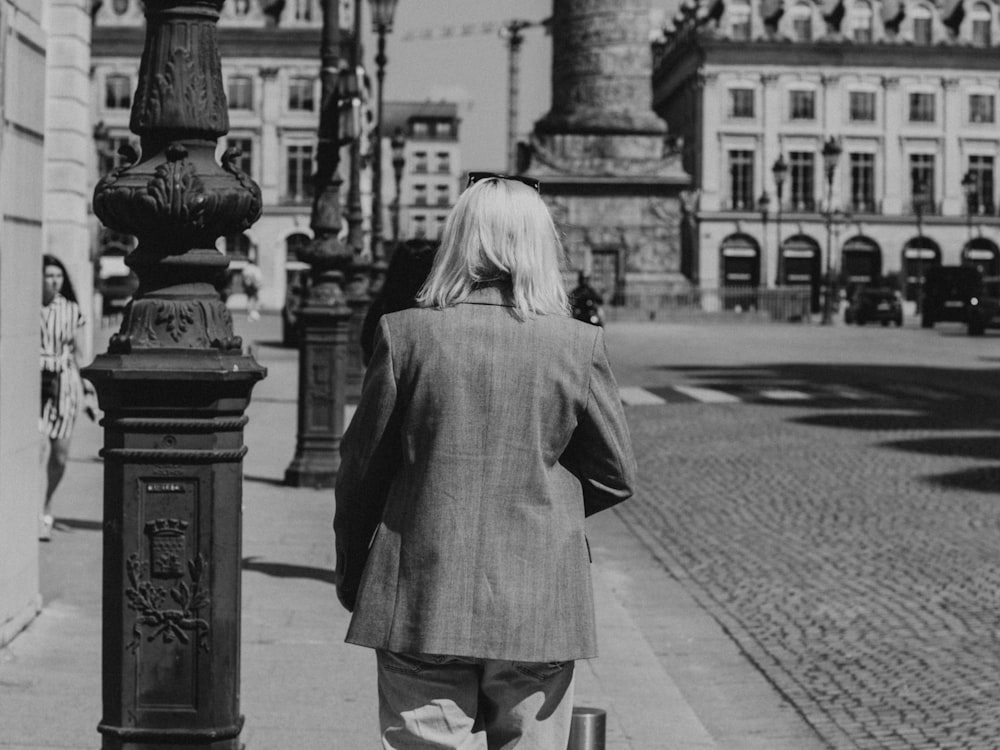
point(860, 263)
point(740, 257)
point(919, 254)
point(296, 286)
point(799, 265)
point(983, 254)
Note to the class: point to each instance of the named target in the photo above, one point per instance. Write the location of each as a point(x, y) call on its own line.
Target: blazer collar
point(489, 294)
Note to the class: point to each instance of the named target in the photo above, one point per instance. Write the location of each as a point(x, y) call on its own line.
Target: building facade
point(901, 98)
point(430, 179)
point(270, 63)
point(23, 43)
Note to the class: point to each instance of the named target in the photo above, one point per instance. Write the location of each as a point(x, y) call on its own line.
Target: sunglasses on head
point(475, 177)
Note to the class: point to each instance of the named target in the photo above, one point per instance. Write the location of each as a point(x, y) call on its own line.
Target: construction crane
point(512, 32)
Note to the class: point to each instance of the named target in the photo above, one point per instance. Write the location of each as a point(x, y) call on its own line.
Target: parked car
point(983, 310)
point(947, 293)
point(871, 304)
point(115, 281)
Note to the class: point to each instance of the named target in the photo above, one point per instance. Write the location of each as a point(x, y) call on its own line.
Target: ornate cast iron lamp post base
point(174, 385)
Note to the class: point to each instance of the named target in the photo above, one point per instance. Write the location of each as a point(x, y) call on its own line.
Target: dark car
point(947, 293)
point(983, 310)
point(875, 304)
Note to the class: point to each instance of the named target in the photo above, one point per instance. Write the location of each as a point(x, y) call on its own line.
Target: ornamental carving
point(182, 203)
point(170, 614)
point(154, 322)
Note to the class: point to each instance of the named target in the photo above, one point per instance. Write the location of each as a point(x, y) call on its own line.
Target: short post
point(587, 729)
point(174, 385)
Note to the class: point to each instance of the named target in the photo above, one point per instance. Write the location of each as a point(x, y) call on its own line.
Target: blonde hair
point(499, 230)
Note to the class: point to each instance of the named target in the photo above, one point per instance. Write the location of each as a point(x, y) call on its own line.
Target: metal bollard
point(587, 729)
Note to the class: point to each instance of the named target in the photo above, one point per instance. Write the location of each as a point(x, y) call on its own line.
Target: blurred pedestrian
point(407, 272)
point(252, 278)
point(63, 390)
point(489, 426)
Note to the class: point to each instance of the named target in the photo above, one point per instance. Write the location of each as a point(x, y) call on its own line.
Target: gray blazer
point(479, 445)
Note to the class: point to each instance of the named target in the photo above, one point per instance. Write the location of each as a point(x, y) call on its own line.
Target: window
point(802, 105)
point(922, 31)
point(739, 20)
point(863, 182)
point(802, 28)
point(741, 180)
point(439, 221)
point(299, 164)
point(420, 162)
point(240, 92)
point(300, 94)
point(119, 7)
point(117, 92)
point(445, 128)
point(862, 106)
point(741, 103)
point(981, 108)
point(982, 25)
point(921, 106)
point(419, 227)
point(861, 21)
point(303, 10)
point(981, 170)
point(238, 247)
point(241, 7)
point(444, 162)
point(245, 160)
point(421, 129)
point(802, 175)
point(420, 195)
point(922, 182)
point(443, 195)
point(295, 244)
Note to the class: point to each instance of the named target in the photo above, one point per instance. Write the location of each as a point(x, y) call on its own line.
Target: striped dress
point(60, 320)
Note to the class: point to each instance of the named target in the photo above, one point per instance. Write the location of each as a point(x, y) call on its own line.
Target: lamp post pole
point(382, 16)
point(779, 170)
point(325, 315)
point(831, 153)
point(398, 161)
point(970, 187)
point(174, 386)
point(764, 205)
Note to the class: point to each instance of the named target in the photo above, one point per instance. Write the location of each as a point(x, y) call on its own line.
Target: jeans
point(459, 703)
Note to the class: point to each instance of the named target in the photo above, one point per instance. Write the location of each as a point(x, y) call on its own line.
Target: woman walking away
point(62, 387)
point(489, 426)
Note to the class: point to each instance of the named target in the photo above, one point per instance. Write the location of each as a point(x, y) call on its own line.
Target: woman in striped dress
point(62, 387)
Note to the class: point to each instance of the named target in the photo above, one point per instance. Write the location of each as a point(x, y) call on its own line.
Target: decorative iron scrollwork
point(147, 600)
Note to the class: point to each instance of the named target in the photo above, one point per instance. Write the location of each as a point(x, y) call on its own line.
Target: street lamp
point(780, 171)
point(382, 15)
point(763, 204)
point(831, 154)
point(398, 160)
point(970, 186)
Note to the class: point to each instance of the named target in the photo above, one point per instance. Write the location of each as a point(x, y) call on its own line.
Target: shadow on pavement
point(272, 481)
point(977, 479)
point(78, 524)
point(287, 570)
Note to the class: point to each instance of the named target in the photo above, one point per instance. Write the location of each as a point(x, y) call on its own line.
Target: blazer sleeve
point(369, 456)
point(600, 450)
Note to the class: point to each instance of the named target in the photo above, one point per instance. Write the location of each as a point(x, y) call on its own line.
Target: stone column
point(174, 385)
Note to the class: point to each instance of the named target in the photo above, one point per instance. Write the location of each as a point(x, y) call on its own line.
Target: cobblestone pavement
point(848, 540)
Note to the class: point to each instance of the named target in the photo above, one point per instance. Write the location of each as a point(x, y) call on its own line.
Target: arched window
point(982, 25)
point(120, 7)
point(241, 7)
point(922, 31)
point(861, 21)
point(739, 20)
point(802, 22)
point(295, 243)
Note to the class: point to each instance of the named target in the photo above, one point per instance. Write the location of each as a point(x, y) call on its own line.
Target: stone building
point(432, 166)
point(270, 63)
point(601, 153)
point(907, 91)
point(23, 43)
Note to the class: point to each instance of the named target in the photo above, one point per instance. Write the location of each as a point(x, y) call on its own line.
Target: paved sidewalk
point(667, 676)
